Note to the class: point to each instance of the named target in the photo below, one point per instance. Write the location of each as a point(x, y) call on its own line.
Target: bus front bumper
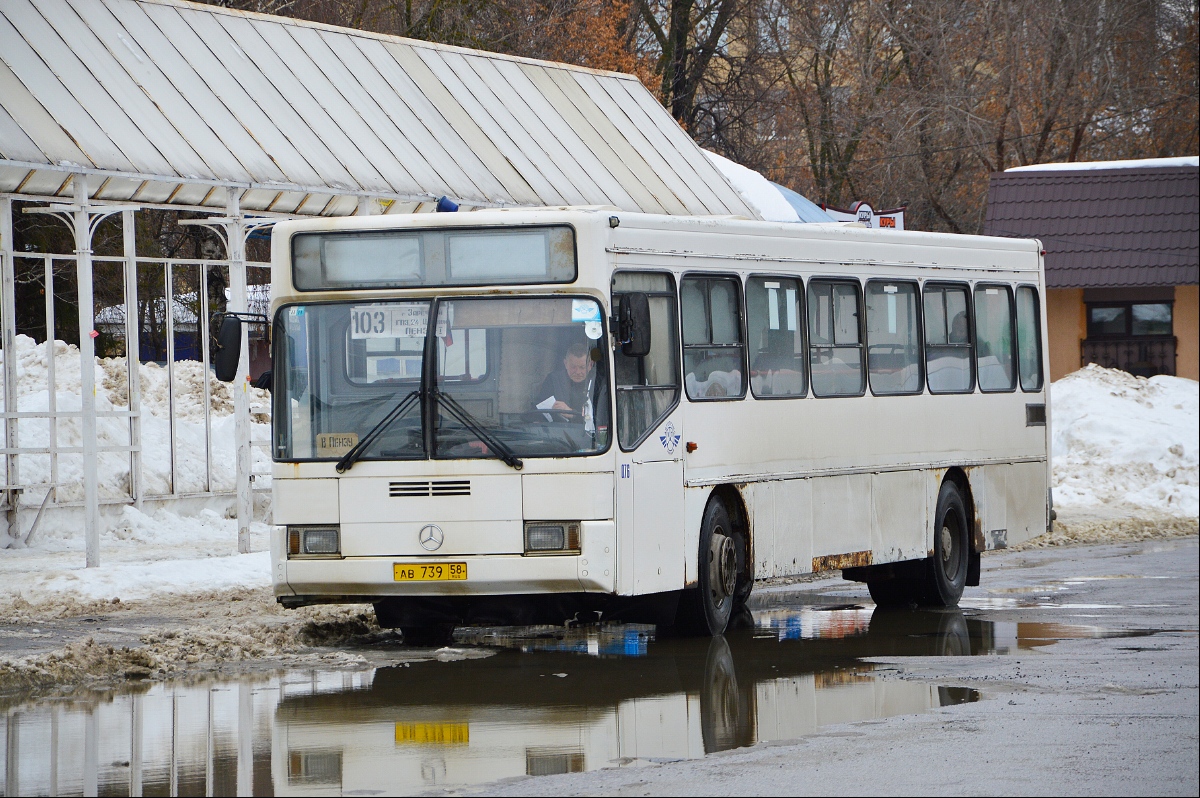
point(370, 578)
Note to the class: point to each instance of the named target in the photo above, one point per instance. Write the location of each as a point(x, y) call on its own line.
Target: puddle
point(549, 700)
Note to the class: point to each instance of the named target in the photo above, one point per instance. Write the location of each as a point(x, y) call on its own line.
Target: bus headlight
point(314, 541)
point(552, 537)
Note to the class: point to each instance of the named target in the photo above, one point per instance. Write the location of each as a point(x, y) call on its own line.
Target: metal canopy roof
point(170, 101)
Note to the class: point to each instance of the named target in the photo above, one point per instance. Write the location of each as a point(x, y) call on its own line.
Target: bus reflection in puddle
point(550, 702)
point(624, 699)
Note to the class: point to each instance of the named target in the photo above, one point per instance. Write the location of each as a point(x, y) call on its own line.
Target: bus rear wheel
point(947, 568)
point(707, 608)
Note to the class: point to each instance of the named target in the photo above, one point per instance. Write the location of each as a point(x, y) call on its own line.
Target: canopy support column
point(8, 311)
point(87, 367)
point(235, 242)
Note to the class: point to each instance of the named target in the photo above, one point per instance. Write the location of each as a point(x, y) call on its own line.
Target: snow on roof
point(166, 101)
point(773, 202)
point(1144, 163)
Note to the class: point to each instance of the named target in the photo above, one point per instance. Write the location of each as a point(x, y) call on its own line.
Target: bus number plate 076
point(429, 572)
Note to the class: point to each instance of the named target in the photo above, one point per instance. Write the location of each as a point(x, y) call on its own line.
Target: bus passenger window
point(647, 387)
point(994, 338)
point(712, 338)
point(835, 347)
point(948, 361)
point(1029, 339)
point(776, 336)
point(893, 343)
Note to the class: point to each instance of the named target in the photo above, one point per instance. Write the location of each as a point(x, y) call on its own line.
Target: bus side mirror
point(229, 348)
point(633, 318)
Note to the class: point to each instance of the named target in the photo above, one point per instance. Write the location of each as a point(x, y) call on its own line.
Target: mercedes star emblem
point(431, 537)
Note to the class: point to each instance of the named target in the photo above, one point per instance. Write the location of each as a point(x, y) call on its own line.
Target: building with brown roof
point(1122, 242)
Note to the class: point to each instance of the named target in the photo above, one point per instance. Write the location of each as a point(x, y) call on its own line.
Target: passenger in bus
point(568, 389)
point(958, 329)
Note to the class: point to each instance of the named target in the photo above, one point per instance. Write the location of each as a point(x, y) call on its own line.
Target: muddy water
point(500, 703)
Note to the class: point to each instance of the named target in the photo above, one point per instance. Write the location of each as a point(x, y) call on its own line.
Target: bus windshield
point(528, 372)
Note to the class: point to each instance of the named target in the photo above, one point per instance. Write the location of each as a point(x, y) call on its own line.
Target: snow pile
point(143, 554)
point(181, 546)
point(1125, 444)
point(112, 393)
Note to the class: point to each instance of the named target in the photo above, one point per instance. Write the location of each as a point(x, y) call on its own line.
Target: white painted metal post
point(235, 239)
point(87, 370)
point(133, 356)
point(51, 380)
point(8, 311)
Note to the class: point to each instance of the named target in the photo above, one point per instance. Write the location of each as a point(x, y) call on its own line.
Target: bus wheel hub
point(723, 565)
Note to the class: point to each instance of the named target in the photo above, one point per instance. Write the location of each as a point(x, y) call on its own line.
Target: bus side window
point(1029, 339)
point(994, 350)
point(948, 361)
point(835, 346)
point(713, 352)
point(776, 336)
point(893, 338)
point(647, 387)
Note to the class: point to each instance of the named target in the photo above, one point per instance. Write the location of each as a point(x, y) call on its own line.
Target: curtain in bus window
point(1029, 349)
point(647, 387)
point(994, 338)
point(947, 339)
point(835, 352)
point(712, 338)
point(776, 336)
point(893, 345)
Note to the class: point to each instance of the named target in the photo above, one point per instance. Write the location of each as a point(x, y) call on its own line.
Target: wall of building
point(1067, 323)
point(1187, 331)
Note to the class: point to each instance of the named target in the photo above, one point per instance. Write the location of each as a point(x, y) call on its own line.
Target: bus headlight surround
point(314, 541)
point(551, 537)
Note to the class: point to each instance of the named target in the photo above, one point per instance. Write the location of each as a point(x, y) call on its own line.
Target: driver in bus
point(568, 389)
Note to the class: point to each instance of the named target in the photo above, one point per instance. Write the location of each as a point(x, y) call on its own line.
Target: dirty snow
point(1125, 445)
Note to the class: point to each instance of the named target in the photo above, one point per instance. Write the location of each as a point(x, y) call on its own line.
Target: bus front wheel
point(706, 608)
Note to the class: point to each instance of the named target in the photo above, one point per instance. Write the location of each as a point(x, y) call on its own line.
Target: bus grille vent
point(401, 489)
point(452, 487)
point(444, 487)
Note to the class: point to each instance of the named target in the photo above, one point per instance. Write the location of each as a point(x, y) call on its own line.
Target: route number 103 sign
point(408, 320)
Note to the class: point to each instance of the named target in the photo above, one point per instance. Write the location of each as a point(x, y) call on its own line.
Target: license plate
point(433, 733)
point(429, 571)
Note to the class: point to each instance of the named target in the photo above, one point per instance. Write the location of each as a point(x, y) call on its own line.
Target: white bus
point(642, 415)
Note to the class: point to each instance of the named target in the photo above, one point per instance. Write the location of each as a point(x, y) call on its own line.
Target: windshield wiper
point(351, 457)
point(467, 420)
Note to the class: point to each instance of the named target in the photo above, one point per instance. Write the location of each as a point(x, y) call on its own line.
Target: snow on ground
point(176, 546)
point(1125, 444)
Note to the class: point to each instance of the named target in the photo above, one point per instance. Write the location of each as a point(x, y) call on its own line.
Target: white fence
point(148, 426)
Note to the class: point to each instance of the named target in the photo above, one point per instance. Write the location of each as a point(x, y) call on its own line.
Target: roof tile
point(1138, 226)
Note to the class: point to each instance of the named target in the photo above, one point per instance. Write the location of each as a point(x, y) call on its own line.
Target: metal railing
point(182, 299)
point(1143, 356)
